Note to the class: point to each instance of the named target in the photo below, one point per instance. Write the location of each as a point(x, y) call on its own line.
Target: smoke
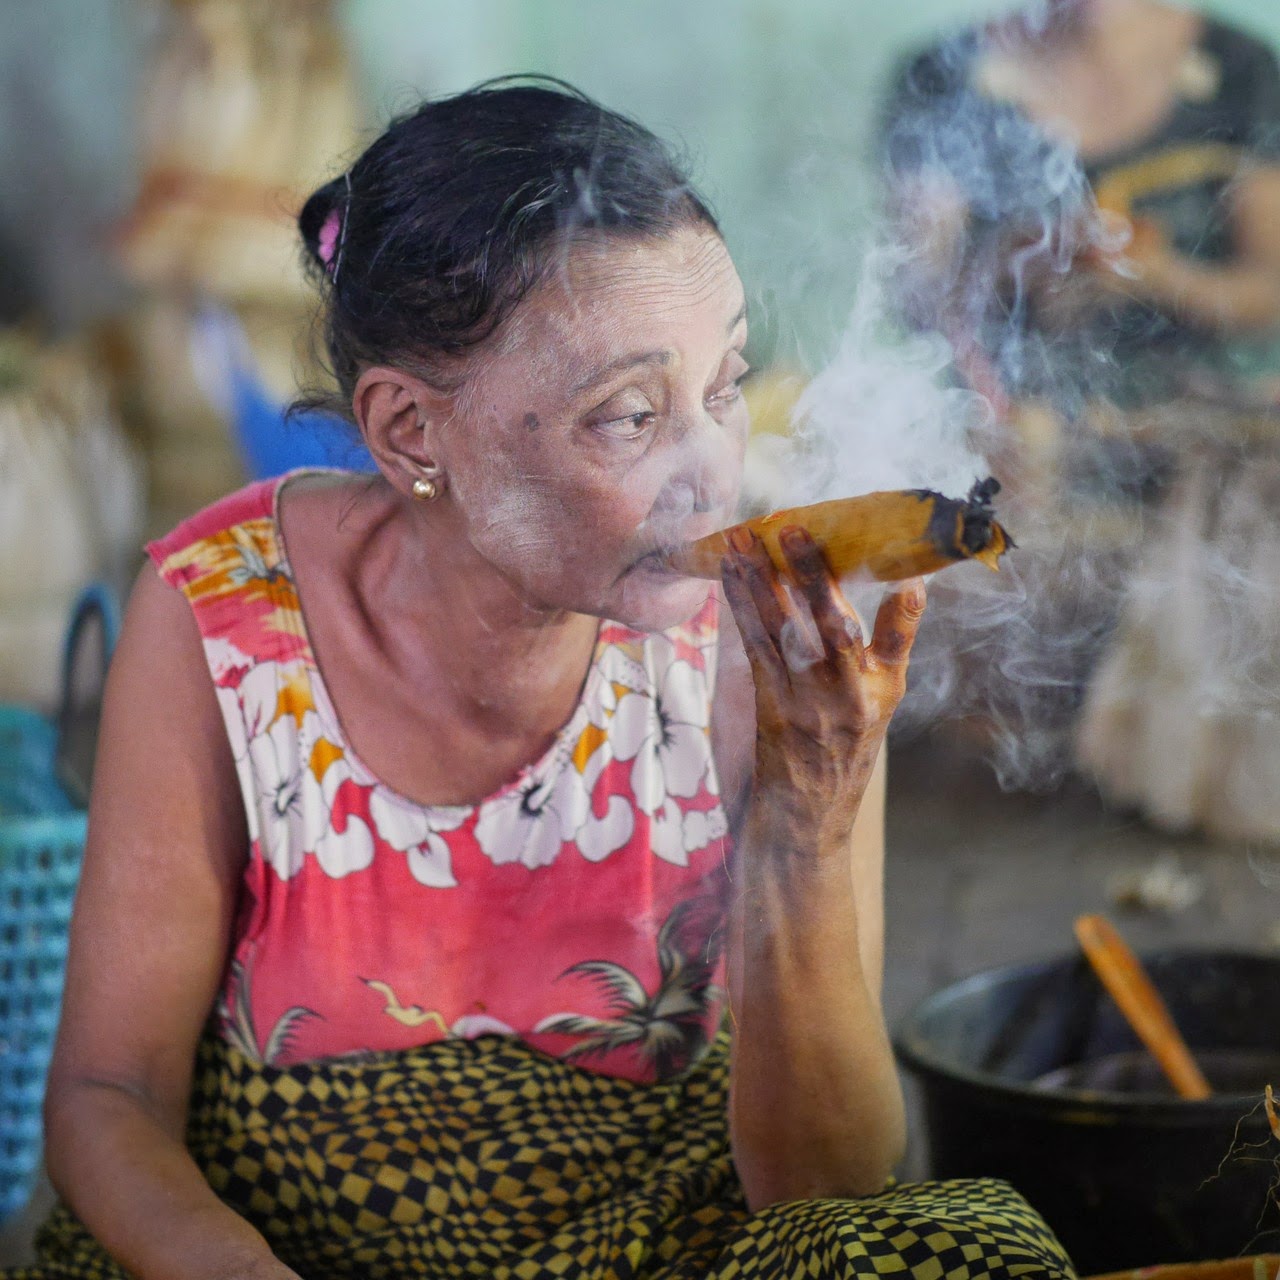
point(1131, 634)
point(1265, 864)
point(1004, 651)
point(881, 416)
point(966, 298)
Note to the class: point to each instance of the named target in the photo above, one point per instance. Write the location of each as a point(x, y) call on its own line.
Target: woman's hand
point(824, 699)
point(815, 1104)
point(1138, 259)
point(1237, 296)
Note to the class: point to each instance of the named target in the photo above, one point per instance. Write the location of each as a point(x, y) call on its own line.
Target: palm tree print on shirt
point(668, 1028)
point(239, 1029)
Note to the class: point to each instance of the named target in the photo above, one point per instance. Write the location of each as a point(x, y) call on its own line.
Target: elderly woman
point(433, 809)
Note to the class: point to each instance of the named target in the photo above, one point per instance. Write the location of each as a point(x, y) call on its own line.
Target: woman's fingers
point(897, 622)
point(770, 596)
point(767, 666)
point(839, 630)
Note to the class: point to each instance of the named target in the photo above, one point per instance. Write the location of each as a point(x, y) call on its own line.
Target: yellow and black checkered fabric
point(486, 1159)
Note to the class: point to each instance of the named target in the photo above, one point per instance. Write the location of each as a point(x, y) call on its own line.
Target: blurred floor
point(977, 878)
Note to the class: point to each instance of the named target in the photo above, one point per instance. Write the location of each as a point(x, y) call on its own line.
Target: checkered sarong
point(484, 1158)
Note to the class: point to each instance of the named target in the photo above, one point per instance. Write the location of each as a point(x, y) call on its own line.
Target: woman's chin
point(653, 598)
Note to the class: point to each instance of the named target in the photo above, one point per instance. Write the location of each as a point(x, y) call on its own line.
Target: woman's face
point(604, 424)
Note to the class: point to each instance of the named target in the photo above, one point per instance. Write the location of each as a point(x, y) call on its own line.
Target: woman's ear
point(401, 417)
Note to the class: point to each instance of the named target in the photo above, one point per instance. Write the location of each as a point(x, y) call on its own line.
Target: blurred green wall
point(776, 99)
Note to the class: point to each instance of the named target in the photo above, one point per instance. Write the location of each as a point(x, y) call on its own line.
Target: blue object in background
point(42, 830)
point(270, 441)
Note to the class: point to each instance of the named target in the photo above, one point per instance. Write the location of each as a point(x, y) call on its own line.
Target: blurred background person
point(1088, 198)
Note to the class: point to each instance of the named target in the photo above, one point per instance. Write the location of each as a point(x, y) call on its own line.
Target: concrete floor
point(977, 878)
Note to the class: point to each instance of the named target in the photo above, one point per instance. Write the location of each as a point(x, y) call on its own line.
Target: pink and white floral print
point(372, 922)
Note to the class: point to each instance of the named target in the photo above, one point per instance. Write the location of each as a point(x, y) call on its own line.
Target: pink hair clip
point(333, 233)
point(327, 242)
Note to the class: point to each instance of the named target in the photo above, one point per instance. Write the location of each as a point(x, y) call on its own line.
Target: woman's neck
point(398, 601)
point(508, 663)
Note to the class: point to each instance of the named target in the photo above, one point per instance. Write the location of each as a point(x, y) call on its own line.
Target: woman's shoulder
point(254, 502)
point(229, 563)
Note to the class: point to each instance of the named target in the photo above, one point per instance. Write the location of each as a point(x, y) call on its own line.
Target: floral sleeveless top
point(580, 907)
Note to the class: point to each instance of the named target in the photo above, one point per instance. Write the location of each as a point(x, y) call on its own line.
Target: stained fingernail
point(741, 539)
point(794, 538)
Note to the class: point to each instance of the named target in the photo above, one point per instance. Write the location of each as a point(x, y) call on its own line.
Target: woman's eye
point(631, 427)
point(732, 390)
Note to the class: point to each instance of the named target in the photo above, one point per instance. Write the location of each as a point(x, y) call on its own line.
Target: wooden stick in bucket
point(1126, 981)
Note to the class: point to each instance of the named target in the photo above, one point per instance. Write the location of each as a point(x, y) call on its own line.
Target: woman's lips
point(656, 559)
point(654, 562)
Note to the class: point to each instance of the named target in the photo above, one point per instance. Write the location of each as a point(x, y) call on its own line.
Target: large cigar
point(896, 534)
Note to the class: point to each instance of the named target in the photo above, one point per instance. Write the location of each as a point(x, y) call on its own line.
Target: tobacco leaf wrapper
point(886, 536)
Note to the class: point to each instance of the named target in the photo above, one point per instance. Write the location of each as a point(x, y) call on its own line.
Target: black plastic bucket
point(1031, 1074)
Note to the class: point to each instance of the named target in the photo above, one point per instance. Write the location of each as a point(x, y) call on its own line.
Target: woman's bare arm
point(149, 937)
point(733, 728)
point(1241, 295)
point(816, 1107)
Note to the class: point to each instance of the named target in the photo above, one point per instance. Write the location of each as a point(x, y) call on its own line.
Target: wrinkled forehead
point(612, 291)
point(692, 264)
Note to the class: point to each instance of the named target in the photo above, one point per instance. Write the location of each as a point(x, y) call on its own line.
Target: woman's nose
point(706, 478)
point(712, 491)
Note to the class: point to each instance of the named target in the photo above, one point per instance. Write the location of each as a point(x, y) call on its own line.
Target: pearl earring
point(430, 484)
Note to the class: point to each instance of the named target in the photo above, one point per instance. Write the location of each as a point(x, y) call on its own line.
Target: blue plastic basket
point(41, 843)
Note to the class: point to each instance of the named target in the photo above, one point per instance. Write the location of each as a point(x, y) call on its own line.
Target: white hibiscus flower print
point(700, 827)
point(339, 853)
point(290, 802)
point(259, 694)
point(619, 673)
point(293, 805)
point(223, 656)
point(597, 838)
point(278, 768)
point(415, 831)
point(530, 823)
point(248, 708)
point(665, 733)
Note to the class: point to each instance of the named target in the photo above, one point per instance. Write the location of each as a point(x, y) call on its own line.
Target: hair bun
point(320, 222)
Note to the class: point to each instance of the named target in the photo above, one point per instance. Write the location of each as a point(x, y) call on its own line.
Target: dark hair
point(450, 217)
